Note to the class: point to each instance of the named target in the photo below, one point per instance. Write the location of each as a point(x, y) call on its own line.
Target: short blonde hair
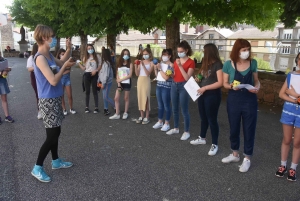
point(42, 31)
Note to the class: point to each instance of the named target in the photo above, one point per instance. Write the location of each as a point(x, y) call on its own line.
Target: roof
point(134, 35)
point(224, 32)
point(281, 25)
point(254, 33)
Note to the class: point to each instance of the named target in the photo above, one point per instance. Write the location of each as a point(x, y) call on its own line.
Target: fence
point(272, 54)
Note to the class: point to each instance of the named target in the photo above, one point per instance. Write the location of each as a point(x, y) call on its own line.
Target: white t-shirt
point(91, 64)
point(30, 61)
point(142, 71)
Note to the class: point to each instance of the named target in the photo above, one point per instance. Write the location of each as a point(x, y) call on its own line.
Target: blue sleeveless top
point(45, 89)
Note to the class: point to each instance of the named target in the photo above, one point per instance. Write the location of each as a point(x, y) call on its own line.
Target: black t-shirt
point(211, 76)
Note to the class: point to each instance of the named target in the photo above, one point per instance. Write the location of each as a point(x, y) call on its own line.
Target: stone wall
point(7, 34)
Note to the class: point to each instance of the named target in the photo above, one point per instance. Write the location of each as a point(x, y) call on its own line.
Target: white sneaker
point(245, 165)
point(213, 150)
point(165, 127)
point(72, 111)
point(125, 115)
point(199, 140)
point(145, 121)
point(231, 158)
point(115, 116)
point(185, 136)
point(65, 112)
point(158, 125)
point(139, 120)
point(173, 131)
point(39, 116)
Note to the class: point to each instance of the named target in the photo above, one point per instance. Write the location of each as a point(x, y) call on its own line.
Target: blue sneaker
point(9, 119)
point(39, 173)
point(59, 163)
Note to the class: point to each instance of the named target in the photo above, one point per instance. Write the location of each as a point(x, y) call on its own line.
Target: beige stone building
point(7, 33)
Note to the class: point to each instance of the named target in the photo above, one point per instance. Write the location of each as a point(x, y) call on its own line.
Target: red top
point(177, 75)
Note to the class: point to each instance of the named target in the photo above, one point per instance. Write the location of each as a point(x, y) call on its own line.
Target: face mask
point(125, 57)
point(181, 54)
point(90, 51)
point(53, 42)
point(165, 58)
point(146, 56)
point(244, 55)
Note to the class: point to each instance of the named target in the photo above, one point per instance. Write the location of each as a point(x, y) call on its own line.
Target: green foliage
point(197, 55)
point(291, 12)
point(262, 65)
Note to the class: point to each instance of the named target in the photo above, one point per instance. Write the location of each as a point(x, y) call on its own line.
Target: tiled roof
point(254, 33)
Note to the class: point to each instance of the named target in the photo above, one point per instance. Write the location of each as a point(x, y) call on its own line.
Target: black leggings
point(88, 81)
point(50, 144)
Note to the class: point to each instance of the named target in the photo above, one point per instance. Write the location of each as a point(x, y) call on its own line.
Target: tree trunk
point(172, 35)
point(57, 47)
point(84, 41)
point(111, 40)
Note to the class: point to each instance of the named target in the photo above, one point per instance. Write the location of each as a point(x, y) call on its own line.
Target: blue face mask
point(181, 54)
point(90, 51)
point(125, 57)
point(53, 43)
point(146, 56)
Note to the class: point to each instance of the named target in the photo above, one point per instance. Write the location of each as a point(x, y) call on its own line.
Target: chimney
point(186, 30)
point(201, 28)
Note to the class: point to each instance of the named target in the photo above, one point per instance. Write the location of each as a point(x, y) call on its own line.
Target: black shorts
point(126, 87)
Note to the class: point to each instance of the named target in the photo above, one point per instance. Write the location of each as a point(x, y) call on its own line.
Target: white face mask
point(244, 55)
point(165, 58)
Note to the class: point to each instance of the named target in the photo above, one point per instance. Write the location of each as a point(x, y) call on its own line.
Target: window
point(163, 32)
point(220, 47)
point(254, 43)
point(286, 49)
point(211, 36)
point(191, 42)
point(287, 34)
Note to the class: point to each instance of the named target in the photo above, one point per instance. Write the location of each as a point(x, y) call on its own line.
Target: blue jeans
point(208, 106)
point(242, 106)
point(163, 95)
point(180, 96)
point(106, 98)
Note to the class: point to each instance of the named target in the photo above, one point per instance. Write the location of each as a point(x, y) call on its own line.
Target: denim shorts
point(290, 114)
point(4, 86)
point(66, 80)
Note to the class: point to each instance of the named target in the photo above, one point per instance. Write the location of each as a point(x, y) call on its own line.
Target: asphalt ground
point(122, 160)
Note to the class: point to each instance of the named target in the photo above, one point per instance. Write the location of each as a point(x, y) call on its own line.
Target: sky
point(3, 4)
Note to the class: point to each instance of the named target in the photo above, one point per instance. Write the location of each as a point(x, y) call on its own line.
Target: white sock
point(283, 163)
point(294, 166)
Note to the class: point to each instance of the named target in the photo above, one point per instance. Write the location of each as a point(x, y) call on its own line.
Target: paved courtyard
point(121, 160)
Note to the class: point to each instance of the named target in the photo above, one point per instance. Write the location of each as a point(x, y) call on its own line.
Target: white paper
point(246, 86)
point(295, 82)
point(124, 72)
point(192, 87)
point(164, 68)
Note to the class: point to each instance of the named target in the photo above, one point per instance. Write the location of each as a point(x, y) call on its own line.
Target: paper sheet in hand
point(246, 86)
point(295, 82)
point(191, 87)
point(3, 65)
point(164, 68)
point(124, 72)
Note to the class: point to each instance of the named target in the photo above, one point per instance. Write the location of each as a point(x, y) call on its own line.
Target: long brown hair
point(211, 55)
point(35, 48)
point(87, 55)
point(186, 46)
point(121, 60)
